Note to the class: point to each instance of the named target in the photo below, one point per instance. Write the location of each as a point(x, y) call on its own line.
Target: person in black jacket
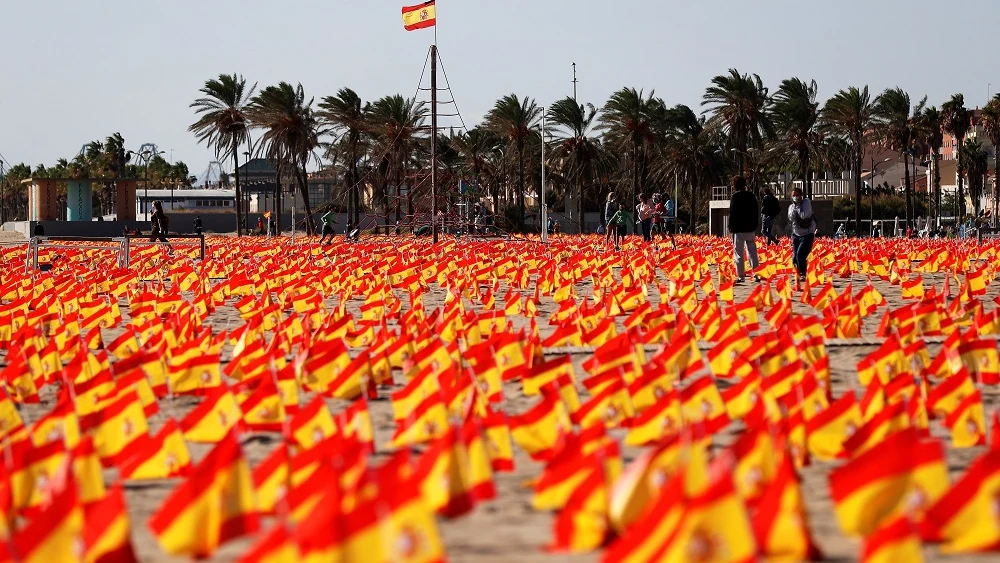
point(769, 209)
point(743, 220)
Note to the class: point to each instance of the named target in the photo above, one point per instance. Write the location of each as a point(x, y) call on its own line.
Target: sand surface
point(508, 529)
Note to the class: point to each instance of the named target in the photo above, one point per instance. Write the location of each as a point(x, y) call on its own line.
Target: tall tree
point(991, 125)
point(515, 118)
point(347, 115)
point(291, 133)
point(849, 116)
point(691, 150)
point(956, 120)
point(576, 146)
point(896, 126)
point(929, 129)
point(795, 114)
point(477, 150)
point(224, 124)
point(977, 163)
point(626, 120)
point(396, 124)
point(740, 105)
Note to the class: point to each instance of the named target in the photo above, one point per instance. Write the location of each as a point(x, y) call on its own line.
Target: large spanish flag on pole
point(419, 16)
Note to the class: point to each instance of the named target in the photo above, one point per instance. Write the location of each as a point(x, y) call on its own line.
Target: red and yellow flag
point(214, 505)
point(419, 16)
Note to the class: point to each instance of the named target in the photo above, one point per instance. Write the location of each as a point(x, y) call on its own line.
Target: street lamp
point(871, 196)
point(147, 155)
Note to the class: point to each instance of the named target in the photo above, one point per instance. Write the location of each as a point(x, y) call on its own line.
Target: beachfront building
point(194, 200)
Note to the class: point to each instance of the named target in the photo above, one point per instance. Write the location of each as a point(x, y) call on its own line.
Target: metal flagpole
point(434, 117)
point(541, 203)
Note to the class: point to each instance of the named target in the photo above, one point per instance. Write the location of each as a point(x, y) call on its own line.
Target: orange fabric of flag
point(213, 506)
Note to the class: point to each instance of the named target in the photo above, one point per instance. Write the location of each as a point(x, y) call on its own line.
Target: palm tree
point(955, 119)
point(575, 145)
point(849, 116)
point(929, 130)
point(692, 149)
point(475, 149)
point(395, 123)
point(740, 106)
point(977, 161)
point(223, 123)
point(896, 125)
point(626, 120)
point(795, 113)
point(291, 133)
point(347, 116)
point(514, 119)
point(991, 125)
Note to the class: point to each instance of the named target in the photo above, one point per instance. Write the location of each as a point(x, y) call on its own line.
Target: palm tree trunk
point(355, 188)
point(907, 190)
point(520, 182)
point(961, 182)
point(399, 181)
point(304, 190)
point(694, 206)
point(239, 193)
point(278, 195)
point(857, 189)
point(635, 181)
point(936, 157)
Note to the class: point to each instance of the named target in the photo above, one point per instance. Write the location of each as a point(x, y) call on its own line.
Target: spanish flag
point(107, 532)
point(54, 534)
point(895, 541)
point(162, 456)
point(903, 476)
point(214, 505)
point(963, 517)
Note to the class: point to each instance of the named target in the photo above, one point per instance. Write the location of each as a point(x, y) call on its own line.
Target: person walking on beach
point(610, 208)
point(800, 215)
point(159, 225)
point(645, 213)
point(743, 221)
point(329, 220)
point(769, 209)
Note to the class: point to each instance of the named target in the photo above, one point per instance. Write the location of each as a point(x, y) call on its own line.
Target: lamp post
point(542, 205)
point(146, 156)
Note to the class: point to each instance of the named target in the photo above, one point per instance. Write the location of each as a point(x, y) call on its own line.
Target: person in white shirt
point(800, 216)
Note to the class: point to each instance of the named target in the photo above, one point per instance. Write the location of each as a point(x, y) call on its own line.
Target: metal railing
point(122, 248)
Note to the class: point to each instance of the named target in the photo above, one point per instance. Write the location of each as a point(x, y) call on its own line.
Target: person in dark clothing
point(769, 209)
point(197, 224)
point(743, 220)
point(159, 225)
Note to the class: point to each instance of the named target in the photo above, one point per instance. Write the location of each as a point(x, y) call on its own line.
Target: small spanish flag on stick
point(419, 16)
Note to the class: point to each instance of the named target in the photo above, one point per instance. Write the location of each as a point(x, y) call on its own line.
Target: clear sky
point(76, 71)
